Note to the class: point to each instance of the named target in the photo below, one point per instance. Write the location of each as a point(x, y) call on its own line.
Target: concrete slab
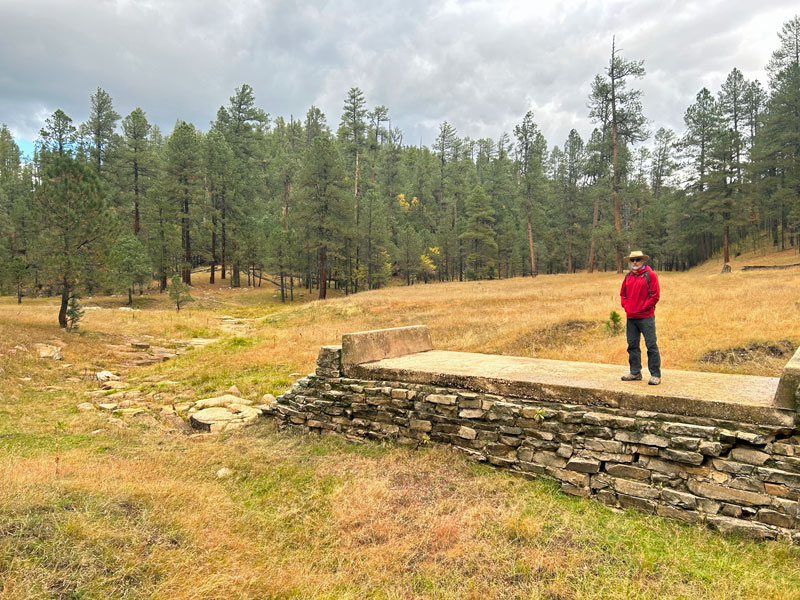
point(368, 346)
point(735, 397)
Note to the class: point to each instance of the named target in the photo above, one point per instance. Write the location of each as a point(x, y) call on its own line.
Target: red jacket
point(638, 302)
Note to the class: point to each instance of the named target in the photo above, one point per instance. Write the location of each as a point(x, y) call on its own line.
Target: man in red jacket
point(639, 296)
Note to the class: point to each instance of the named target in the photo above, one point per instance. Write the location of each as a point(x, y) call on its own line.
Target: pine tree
point(135, 163)
point(620, 109)
point(99, 129)
point(183, 180)
point(480, 235)
point(74, 225)
point(325, 206)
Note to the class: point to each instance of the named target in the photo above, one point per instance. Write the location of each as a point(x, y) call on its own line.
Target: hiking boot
point(632, 377)
point(654, 381)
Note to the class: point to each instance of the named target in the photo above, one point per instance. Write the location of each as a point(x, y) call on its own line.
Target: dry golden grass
point(89, 509)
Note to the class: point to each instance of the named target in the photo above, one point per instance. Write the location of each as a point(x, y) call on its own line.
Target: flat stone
point(420, 425)
point(48, 351)
point(583, 465)
point(726, 494)
point(682, 456)
point(106, 376)
point(467, 433)
point(628, 472)
point(85, 406)
point(729, 525)
point(211, 419)
point(447, 399)
point(749, 456)
point(635, 488)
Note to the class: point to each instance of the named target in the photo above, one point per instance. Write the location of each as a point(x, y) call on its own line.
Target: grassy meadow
point(97, 504)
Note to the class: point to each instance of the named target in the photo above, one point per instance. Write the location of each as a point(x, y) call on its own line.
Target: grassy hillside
point(96, 504)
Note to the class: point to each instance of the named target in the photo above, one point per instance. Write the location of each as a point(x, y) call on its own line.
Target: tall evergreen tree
point(325, 206)
point(73, 223)
point(99, 128)
point(183, 178)
point(611, 102)
point(135, 163)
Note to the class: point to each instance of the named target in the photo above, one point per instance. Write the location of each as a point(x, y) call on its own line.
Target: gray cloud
point(479, 65)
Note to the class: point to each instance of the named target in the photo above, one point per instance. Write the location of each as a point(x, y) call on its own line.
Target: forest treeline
point(114, 203)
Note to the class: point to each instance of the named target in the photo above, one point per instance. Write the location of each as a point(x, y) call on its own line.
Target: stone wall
point(735, 476)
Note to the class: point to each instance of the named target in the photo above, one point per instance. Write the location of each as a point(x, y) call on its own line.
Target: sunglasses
point(635, 260)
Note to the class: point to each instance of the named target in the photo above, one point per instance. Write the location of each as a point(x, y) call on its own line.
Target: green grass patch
point(27, 445)
point(70, 544)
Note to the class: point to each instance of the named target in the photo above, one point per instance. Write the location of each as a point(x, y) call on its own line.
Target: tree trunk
point(213, 249)
point(187, 248)
point(323, 273)
point(530, 247)
point(223, 258)
point(593, 244)
point(62, 311)
point(130, 296)
point(725, 251)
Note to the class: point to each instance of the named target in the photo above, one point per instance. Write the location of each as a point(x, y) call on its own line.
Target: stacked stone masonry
point(735, 476)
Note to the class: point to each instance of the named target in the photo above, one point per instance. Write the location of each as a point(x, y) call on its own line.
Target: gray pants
point(647, 328)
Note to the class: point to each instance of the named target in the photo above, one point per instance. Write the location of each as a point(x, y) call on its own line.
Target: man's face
point(636, 264)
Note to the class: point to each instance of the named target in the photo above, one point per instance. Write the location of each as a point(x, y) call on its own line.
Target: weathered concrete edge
point(564, 394)
point(786, 394)
point(369, 346)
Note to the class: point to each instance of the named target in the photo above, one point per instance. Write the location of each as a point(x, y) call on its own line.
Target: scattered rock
point(48, 351)
point(294, 374)
point(268, 399)
point(212, 419)
point(106, 376)
point(142, 346)
point(85, 406)
point(107, 406)
point(233, 390)
point(114, 385)
point(222, 413)
point(224, 473)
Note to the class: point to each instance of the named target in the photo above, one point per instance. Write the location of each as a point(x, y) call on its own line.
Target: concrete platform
point(735, 397)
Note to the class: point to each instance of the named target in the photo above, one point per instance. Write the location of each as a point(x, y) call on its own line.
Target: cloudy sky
point(480, 65)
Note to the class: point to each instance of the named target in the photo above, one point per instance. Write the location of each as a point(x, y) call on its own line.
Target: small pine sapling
point(74, 313)
point(614, 323)
point(179, 292)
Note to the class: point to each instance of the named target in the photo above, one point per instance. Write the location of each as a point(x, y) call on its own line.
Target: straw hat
point(637, 254)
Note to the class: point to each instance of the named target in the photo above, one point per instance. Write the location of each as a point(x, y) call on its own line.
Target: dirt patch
point(558, 335)
point(752, 352)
